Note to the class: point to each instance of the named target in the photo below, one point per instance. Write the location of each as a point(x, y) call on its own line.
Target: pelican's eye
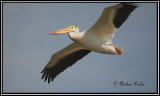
point(71, 27)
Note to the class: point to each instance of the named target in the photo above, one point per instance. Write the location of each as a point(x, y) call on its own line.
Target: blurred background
point(27, 48)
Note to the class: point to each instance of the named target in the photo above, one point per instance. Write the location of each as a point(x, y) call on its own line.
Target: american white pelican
point(98, 39)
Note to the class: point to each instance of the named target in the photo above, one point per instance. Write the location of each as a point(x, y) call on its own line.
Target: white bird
point(98, 39)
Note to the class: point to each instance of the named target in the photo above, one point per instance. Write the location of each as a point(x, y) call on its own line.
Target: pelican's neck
point(75, 36)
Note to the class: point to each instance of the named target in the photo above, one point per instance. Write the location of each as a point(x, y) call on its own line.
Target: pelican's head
point(66, 30)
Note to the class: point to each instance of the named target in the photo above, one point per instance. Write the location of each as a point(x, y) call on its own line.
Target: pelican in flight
point(98, 38)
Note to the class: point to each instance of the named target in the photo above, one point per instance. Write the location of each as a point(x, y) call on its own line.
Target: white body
point(94, 42)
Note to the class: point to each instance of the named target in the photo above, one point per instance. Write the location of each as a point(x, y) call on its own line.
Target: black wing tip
point(46, 75)
point(131, 4)
point(49, 74)
point(123, 13)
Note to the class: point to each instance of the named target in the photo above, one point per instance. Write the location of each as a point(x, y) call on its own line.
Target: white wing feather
point(111, 19)
point(104, 26)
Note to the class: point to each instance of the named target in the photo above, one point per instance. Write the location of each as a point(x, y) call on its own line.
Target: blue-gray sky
point(27, 48)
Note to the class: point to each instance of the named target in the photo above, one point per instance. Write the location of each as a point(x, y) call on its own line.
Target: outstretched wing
point(111, 19)
point(62, 60)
